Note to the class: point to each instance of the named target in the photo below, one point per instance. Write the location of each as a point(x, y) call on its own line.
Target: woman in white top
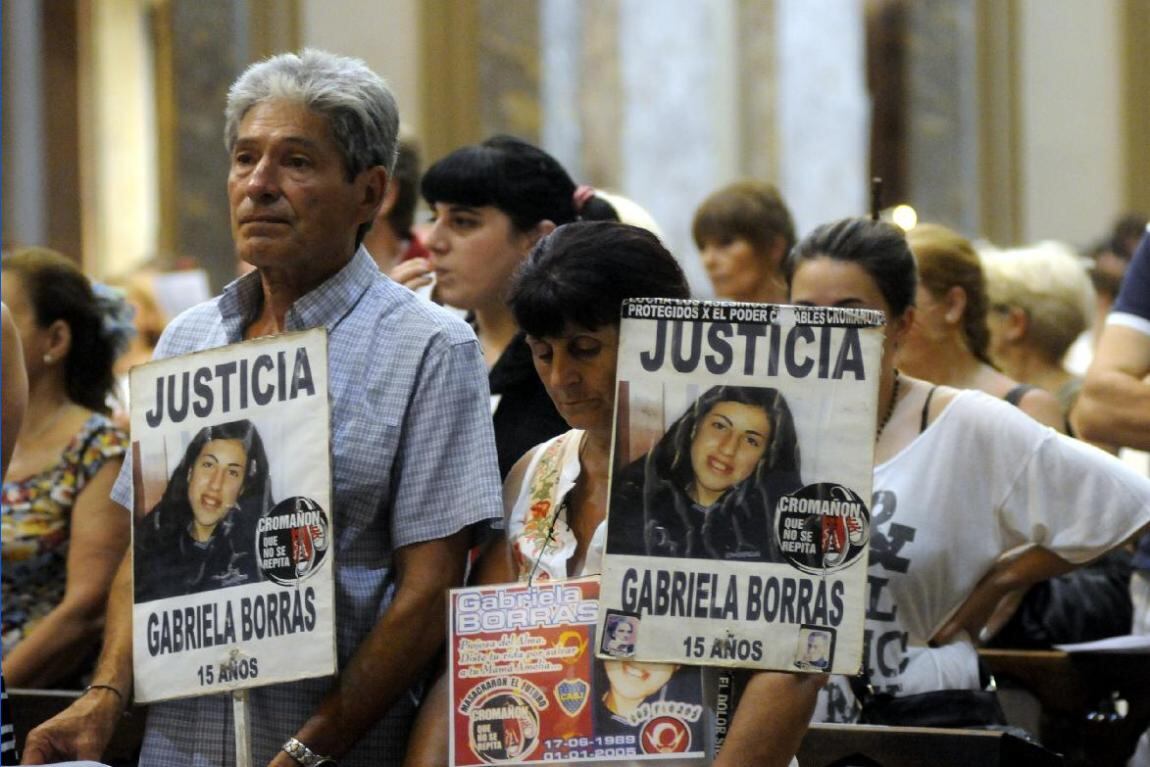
point(567, 298)
point(961, 478)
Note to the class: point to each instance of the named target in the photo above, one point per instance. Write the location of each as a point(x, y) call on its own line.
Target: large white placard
point(742, 464)
point(232, 534)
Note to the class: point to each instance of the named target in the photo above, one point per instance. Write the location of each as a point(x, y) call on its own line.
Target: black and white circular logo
point(292, 540)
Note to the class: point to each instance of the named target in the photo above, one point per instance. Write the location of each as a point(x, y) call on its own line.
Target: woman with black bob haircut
point(984, 499)
point(201, 534)
point(708, 488)
point(491, 203)
point(567, 297)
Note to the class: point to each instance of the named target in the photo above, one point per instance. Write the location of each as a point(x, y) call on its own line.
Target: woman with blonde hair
point(1041, 300)
point(949, 340)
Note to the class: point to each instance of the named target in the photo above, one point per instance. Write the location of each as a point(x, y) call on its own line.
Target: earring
point(49, 359)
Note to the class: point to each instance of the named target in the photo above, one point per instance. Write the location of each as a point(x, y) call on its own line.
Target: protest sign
point(232, 535)
point(738, 517)
point(526, 688)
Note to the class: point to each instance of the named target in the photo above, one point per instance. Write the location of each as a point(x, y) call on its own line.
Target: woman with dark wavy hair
point(201, 535)
point(708, 488)
point(62, 534)
point(567, 297)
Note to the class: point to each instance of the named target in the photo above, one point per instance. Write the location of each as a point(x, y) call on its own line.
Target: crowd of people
point(489, 342)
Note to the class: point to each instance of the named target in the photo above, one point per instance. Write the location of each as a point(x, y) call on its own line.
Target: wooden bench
point(1076, 694)
point(860, 745)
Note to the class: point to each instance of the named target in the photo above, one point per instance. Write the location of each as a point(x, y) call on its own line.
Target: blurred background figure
point(1109, 258)
point(948, 341)
point(14, 388)
point(612, 206)
point(62, 535)
point(743, 232)
point(1041, 299)
point(149, 320)
point(392, 238)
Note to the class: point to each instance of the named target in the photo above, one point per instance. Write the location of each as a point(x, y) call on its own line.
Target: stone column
point(677, 114)
point(824, 114)
point(509, 68)
point(677, 97)
point(24, 212)
point(208, 50)
point(943, 114)
point(561, 32)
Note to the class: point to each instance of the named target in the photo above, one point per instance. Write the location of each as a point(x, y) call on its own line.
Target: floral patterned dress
point(36, 525)
point(541, 541)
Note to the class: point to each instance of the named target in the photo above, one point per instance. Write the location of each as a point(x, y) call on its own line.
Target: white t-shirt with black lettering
point(983, 479)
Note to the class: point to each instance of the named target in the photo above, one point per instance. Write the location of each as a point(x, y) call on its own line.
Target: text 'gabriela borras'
point(709, 595)
point(539, 606)
point(220, 623)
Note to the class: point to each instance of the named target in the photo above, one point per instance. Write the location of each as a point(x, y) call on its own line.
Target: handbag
point(937, 708)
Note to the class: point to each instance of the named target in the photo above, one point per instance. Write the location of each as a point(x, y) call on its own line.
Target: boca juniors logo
point(572, 695)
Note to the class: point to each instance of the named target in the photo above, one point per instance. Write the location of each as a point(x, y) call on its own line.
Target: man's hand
point(81, 731)
point(395, 654)
point(281, 759)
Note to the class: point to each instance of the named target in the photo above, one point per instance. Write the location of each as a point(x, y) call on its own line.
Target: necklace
point(889, 407)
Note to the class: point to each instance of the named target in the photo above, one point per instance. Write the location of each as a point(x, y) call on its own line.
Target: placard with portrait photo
point(526, 687)
point(232, 537)
point(740, 483)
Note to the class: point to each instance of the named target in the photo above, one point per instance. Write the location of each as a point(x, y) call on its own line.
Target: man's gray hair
point(359, 106)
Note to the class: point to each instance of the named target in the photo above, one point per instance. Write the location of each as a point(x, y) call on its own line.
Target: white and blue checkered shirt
point(413, 459)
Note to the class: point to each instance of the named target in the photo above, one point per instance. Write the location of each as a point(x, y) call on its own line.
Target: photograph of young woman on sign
point(621, 689)
point(201, 535)
point(708, 488)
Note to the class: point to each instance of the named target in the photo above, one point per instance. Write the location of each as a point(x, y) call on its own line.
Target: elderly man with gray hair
point(312, 142)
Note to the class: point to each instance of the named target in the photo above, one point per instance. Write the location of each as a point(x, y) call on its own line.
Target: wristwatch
point(305, 756)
